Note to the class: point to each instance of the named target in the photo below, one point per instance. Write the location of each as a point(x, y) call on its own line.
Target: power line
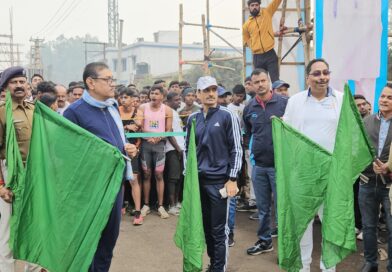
point(65, 15)
point(51, 19)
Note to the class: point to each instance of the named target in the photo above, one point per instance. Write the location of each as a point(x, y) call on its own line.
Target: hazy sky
point(50, 18)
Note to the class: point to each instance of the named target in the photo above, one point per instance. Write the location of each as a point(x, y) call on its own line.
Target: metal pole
point(119, 53)
point(181, 26)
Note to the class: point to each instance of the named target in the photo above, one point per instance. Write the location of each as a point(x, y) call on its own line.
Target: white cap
point(205, 82)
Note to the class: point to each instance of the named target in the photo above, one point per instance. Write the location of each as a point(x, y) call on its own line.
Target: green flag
point(15, 168)
point(71, 183)
point(352, 154)
point(301, 179)
point(189, 236)
point(307, 175)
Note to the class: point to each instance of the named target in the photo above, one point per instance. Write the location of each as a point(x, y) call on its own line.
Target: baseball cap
point(280, 83)
point(205, 82)
point(222, 91)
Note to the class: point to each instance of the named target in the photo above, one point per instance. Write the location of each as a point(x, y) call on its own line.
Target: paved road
point(150, 248)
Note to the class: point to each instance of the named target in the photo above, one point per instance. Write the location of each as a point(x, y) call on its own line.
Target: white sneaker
point(163, 213)
point(145, 210)
point(174, 210)
point(360, 236)
point(178, 205)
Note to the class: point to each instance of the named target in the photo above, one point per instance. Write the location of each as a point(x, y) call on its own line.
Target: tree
point(226, 77)
point(64, 58)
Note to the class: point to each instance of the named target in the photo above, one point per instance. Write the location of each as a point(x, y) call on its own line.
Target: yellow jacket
point(257, 32)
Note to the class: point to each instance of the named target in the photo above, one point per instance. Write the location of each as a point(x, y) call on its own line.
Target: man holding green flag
point(219, 158)
point(97, 112)
point(14, 146)
point(340, 150)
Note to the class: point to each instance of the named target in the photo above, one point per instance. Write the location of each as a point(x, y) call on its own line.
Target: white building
point(156, 58)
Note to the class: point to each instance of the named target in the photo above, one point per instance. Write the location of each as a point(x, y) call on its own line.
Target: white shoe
point(174, 210)
point(360, 236)
point(145, 210)
point(163, 213)
point(178, 205)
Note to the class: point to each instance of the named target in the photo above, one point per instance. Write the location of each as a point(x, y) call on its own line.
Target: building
point(157, 58)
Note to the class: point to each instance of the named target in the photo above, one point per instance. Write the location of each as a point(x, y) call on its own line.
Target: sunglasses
point(318, 73)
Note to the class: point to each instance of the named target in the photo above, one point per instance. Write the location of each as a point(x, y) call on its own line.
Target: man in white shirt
point(174, 155)
point(315, 112)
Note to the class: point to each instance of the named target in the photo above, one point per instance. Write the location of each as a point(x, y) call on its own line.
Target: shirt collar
point(24, 104)
point(329, 92)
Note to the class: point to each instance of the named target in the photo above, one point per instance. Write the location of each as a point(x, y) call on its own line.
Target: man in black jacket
point(258, 130)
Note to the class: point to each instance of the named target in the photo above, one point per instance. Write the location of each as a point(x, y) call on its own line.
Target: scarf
point(111, 105)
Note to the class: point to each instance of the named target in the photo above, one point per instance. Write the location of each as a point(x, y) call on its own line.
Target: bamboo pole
point(206, 53)
point(223, 67)
point(227, 42)
point(181, 26)
point(208, 26)
point(281, 25)
point(301, 24)
point(212, 26)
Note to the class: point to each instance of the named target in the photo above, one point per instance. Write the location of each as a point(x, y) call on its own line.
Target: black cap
point(10, 73)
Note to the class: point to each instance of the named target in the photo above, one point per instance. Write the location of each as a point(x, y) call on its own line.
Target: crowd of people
point(234, 149)
point(234, 146)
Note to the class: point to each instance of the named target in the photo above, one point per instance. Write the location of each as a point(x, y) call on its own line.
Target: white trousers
point(7, 262)
point(307, 247)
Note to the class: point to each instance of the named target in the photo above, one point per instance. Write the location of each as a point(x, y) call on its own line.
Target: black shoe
point(260, 247)
point(231, 240)
point(274, 233)
point(246, 208)
point(254, 216)
point(367, 267)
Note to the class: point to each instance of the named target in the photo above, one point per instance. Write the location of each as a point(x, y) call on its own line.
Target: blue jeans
point(263, 179)
point(370, 198)
point(231, 219)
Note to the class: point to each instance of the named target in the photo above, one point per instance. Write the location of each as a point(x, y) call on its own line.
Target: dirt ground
point(150, 248)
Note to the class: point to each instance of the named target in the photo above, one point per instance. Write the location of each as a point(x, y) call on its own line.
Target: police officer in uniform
point(14, 80)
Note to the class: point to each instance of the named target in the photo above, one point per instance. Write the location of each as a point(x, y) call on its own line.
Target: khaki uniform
point(23, 122)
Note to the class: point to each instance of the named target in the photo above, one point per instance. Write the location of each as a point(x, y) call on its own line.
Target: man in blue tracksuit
point(258, 127)
point(97, 112)
point(219, 158)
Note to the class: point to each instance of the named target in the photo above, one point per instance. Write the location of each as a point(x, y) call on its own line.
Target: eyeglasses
point(318, 73)
point(109, 80)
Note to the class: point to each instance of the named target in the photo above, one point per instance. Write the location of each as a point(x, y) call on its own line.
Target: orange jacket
point(257, 32)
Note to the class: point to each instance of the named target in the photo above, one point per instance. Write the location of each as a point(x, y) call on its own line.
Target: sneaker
point(174, 210)
point(360, 236)
point(178, 205)
point(245, 207)
point(254, 216)
point(145, 210)
point(163, 213)
point(260, 247)
point(274, 232)
point(231, 240)
point(138, 220)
